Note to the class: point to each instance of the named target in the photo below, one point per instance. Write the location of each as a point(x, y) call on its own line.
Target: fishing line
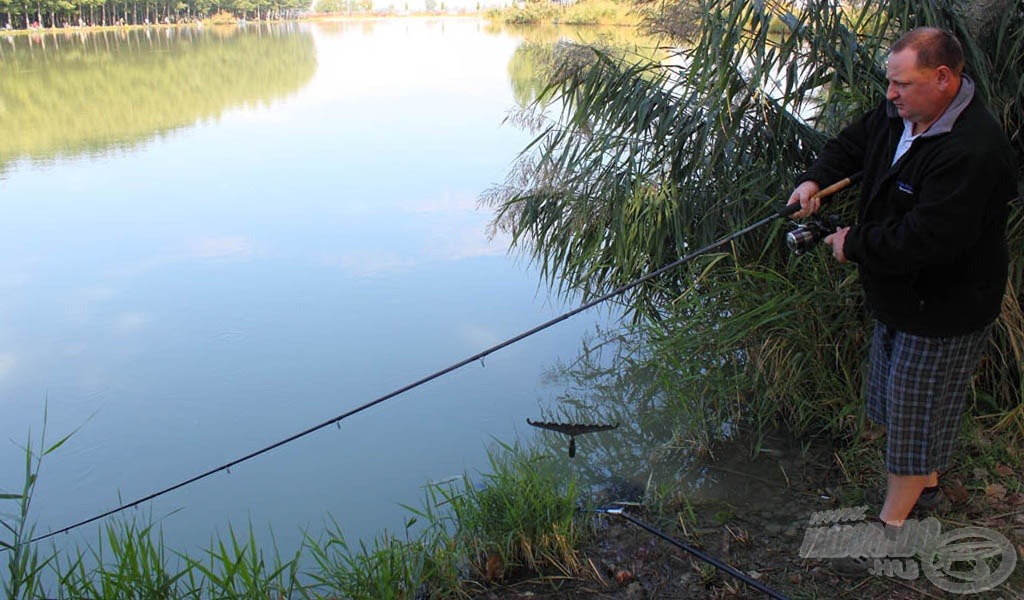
point(479, 356)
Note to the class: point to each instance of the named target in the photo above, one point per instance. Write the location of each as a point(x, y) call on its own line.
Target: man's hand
point(836, 240)
point(804, 195)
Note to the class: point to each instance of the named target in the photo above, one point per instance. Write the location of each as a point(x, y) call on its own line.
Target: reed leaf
point(643, 162)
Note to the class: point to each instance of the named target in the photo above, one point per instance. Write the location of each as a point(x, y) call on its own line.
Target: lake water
point(214, 239)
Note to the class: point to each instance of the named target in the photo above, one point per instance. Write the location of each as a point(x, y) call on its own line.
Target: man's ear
point(944, 76)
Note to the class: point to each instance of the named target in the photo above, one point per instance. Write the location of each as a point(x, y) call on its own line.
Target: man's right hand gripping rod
point(825, 193)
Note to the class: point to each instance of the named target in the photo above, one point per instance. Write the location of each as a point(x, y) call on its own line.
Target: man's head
point(924, 71)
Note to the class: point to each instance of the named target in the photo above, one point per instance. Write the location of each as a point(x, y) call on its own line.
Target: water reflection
point(611, 381)
point(653, 456)
point(250, 263)
point(532, 64)
point(63, 94)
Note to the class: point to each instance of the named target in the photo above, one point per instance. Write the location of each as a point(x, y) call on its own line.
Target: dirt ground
point(752, 515)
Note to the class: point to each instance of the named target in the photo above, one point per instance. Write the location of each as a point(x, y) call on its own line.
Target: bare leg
point(902, 493)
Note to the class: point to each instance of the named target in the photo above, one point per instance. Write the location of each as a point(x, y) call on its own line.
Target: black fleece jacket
point(930, 239)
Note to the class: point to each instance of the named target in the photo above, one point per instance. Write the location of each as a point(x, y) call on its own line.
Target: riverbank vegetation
point(53, 14)
point(647, 162)
point(584, 12)
point(48, 14)
point(519, 520)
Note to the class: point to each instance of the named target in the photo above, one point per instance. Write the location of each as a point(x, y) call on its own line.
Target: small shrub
point(223, 18)
point(522, 515)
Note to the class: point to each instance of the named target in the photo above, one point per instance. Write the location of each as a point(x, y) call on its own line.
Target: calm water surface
point(212, 240)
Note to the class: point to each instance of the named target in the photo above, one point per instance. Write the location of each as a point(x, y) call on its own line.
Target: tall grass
point(584, 12)
point(522, 515)
point(25, 565)
point(238, 568)
point(130, 561)
point(517, 518)
point(389, 567)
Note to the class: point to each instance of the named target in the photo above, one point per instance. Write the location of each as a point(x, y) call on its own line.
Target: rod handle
point(837, 186)
point(825, 193)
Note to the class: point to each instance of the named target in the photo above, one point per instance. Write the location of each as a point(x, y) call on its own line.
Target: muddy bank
point(752, 513)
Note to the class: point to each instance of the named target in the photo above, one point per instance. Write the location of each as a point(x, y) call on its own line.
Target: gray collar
point(952, 113)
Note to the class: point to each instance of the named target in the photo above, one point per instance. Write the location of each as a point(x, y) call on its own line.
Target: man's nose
point(890, 92)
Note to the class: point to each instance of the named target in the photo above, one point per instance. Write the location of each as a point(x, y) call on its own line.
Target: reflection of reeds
point(612, 381)
point(674, 423)
point(546, 49)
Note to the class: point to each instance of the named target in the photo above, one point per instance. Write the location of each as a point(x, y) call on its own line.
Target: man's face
point(918, 93)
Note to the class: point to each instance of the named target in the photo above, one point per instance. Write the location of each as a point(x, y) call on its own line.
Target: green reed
point(466, 535)
point(388, 568)
point(25, 565)
point(645, 162)
point(521, 515)
point(130, 561)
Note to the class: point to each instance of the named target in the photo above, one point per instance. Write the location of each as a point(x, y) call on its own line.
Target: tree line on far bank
point(21, 14)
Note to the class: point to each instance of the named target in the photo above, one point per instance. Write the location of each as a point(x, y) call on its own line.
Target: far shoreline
point(318, 18)
point(223, 20)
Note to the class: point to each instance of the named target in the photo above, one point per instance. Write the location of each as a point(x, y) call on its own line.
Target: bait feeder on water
point(572, 430)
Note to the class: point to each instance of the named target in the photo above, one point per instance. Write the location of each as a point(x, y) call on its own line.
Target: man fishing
point(930, 247)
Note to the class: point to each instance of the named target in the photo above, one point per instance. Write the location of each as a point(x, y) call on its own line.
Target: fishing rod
point(479, 356)
point(620, 511)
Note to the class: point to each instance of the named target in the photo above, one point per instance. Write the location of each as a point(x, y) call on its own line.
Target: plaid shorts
point(917, 388)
